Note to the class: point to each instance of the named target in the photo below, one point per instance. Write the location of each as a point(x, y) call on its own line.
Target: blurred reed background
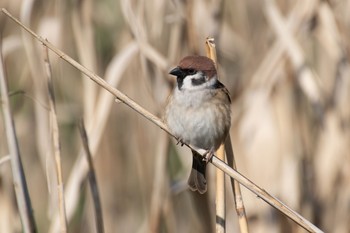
point(286, 64)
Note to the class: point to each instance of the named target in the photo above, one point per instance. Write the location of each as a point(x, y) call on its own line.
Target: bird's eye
point(191, 71)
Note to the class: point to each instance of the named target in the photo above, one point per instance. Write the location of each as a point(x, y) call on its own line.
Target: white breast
point(191, 117)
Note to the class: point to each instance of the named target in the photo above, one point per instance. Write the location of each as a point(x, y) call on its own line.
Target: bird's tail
point(197, 180)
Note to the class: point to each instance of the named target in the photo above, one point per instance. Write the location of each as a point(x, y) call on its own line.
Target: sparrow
point(198, 113)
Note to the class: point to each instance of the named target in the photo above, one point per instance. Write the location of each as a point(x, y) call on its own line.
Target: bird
point(198, 113)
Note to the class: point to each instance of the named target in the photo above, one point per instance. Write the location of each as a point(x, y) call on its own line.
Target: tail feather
point(197, 180)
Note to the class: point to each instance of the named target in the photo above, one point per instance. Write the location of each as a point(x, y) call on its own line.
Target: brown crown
point(199, 63)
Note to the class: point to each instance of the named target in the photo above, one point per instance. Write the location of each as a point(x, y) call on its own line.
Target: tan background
point(285, 63)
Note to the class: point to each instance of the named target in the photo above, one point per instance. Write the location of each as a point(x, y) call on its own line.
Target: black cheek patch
point(198, 81)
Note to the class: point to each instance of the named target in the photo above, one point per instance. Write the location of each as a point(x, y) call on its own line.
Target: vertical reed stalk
point(19, 179)
point(220, 153)
point(92, 179)
point(55, 143)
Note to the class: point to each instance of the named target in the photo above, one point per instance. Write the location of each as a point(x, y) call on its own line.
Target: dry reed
point(289, 137)
point(19, 178)
point(217, 162)
point(92, 179)
point(56, 147)
point(220, 196)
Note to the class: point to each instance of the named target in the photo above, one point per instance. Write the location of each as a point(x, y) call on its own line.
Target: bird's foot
point(208, 155)
point(179, 141)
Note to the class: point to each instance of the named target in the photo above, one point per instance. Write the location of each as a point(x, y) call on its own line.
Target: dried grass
point(290, 136)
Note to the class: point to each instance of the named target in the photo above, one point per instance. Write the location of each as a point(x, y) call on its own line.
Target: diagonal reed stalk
point(305, 76)
point(268, 198)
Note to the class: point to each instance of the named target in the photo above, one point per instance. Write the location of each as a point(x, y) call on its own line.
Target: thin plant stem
point(236, 188)
point(220, 226)
point(92, 179)
point(297, 218)
point(19, 179)
point(55, 143)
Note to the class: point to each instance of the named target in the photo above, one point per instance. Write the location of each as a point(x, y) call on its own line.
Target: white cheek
point(187, 82)
point(188, 85)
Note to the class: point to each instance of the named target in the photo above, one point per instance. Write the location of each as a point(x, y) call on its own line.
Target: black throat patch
point(179, 80)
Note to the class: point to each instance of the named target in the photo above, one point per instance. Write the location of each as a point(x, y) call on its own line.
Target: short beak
point(176, 72)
